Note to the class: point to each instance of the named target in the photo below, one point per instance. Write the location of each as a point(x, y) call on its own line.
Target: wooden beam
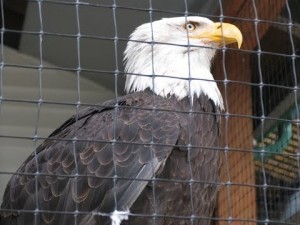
point(247, 11)
point(16, 6)
point(14, 15)
point(237, 201)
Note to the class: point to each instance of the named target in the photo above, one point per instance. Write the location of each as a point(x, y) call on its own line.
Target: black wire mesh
point(71, 49)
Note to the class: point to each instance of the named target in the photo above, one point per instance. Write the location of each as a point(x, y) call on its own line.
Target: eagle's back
point(105, 156)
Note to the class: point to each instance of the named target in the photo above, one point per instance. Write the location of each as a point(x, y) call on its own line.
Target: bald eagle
point(149, 156)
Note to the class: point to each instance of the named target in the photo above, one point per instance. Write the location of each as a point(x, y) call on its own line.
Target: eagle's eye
point(190, 27)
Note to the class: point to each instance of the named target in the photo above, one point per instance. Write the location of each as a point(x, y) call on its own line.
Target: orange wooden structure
point(237, 198)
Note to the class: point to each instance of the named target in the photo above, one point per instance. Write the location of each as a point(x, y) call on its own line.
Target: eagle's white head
point(173, 56)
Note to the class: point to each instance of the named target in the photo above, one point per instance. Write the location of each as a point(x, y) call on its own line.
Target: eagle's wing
point(99, 160)
point(202, 131)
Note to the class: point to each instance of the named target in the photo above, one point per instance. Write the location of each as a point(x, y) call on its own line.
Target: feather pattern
point(122, 150)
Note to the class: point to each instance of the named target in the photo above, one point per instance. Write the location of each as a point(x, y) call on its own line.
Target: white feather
point(160, 56)
point(118, 216)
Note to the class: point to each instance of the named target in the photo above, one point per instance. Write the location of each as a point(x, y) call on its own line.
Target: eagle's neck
point(182, 75)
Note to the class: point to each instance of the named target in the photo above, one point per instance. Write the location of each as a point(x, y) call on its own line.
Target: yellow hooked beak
point(223, 34)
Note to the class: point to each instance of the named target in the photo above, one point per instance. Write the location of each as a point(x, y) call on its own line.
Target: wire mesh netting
point(64, 58)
